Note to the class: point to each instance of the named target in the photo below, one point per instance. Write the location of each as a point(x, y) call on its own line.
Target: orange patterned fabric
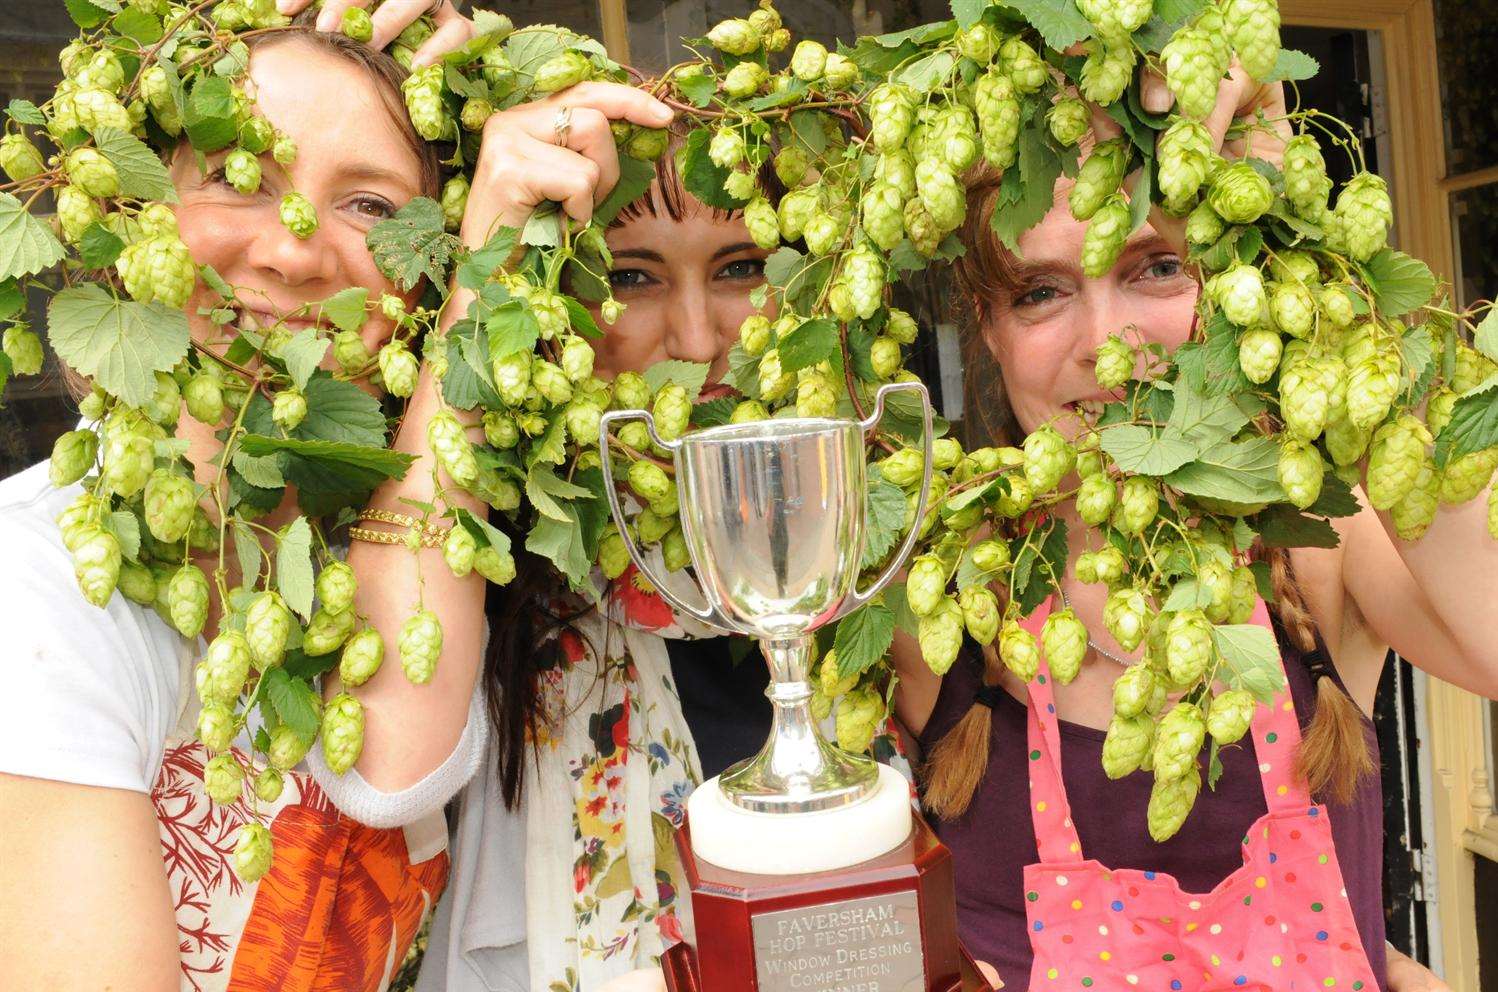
point(337, 911)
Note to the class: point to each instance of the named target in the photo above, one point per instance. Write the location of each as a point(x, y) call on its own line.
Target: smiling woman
point(100, 776)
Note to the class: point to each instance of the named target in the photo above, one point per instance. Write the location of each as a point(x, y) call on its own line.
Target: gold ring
point(561, 125)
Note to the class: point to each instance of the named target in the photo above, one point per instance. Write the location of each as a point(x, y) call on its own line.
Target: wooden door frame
point(1460, 790)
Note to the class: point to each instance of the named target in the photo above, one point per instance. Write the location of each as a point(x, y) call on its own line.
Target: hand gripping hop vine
point(1317, 350)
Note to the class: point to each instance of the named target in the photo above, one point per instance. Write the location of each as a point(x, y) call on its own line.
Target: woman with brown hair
point(116, 871)
point(989, 739)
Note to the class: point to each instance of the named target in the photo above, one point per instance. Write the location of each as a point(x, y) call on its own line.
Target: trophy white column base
point(799, 843)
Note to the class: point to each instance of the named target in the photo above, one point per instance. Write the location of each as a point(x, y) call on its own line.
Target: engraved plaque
point(871, 944)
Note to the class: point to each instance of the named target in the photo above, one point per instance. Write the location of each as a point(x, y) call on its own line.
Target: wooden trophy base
point(885, 925)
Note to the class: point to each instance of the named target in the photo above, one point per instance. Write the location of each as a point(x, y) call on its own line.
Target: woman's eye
point(1164, 268)
point(744, 268)
point(1036, 296)
point(376, 207)
point(628, 278)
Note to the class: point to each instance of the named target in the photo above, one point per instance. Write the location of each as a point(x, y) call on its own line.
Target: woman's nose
point(691, 334)
point(295, 261)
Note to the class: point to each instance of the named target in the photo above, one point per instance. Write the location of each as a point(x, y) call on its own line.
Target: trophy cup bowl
point(786, 847)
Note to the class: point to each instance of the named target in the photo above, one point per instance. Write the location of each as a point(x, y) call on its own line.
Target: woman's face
point(1044, 331)
point(352, 163)
point(685, 285)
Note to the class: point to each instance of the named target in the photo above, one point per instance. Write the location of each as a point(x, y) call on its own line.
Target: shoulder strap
point(1050, 810)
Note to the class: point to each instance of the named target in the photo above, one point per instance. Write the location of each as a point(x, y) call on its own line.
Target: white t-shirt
point(87, 695)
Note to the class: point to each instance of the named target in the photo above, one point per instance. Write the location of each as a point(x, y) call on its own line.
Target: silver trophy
point(773, 515)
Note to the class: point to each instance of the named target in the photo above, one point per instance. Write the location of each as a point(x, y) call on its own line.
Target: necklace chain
point(1094, 645)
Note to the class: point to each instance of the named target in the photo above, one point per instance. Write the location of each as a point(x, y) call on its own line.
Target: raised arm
point(412, 729)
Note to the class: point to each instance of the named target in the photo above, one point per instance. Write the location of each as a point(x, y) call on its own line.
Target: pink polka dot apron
point(1282, 922)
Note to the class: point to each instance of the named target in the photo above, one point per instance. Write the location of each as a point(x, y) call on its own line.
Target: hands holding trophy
point(807, 865)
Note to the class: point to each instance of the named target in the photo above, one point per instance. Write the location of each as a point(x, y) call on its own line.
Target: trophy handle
point(705, 613)
point(857, 597)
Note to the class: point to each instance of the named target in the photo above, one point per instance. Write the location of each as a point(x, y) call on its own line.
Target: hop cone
point(1132, 691)
point(1100, 177)
point(96, 565)
point(980, 612)
point(892, 109)
point(1253, 27)
point(1293, 308)
point(20, 158)
point(287, 748)
point(940, 635)
point(1107, 234)
point(735, 36)
point(1171, 801)
point(298, 215)
point(336, 585)
point(1069, 121)
point(1128, 743)
point(1304, 401)
point(1193, 70)
point(1259, 353)
point(998, 118)
point(267, 626)
point(72, 456)
point(858, 715)
point(1022, 64)
point(187, 600)
point(1372, 386)
point(561, 71)
point(223, 779)
point(327, 631)
point(1096, 499)
point(1019, 651)
point(1230, 715)
point(1116, 18)
point(1188, 647)
point(157, 269)
point(1138, 504)
point(1465, 477)
point(420, 645)
point(1240, 194)
point(1306, 182)
point(1107, 71)
point(1185, 153)
point(1240, 293)
point(1178, 741)
point(956, 136)
point(216, 727)
point(940, 193)
point(1363, 215)
point(1125, 614)
point(1396, 456)
point(205, 399)
point(449, 442)
point(1047, 459)
point(253, 852)
point(342, 732)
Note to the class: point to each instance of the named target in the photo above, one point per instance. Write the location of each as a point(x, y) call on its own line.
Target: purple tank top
point(993, 841)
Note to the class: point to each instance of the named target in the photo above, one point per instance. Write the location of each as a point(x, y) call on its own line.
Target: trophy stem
point(797, 771)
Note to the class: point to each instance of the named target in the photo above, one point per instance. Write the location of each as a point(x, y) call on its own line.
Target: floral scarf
point(614, 767)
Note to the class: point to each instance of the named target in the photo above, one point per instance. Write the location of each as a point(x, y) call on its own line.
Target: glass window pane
point(1474, 219)
point(1466, 33)
point(656, 27)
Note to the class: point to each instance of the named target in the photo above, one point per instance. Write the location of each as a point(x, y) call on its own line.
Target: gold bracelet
point(418, 533)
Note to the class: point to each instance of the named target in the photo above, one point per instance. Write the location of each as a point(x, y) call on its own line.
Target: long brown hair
point(1333, 755)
